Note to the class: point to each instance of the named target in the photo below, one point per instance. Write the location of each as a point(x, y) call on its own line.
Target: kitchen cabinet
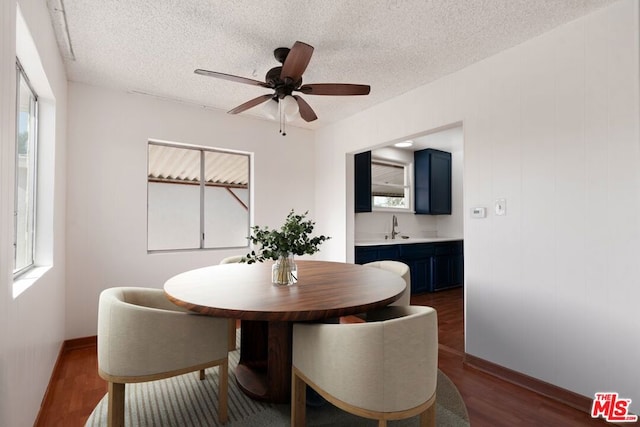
point(447, 266)
point(422, 270)
point(362, 181)
point(432, 181)
point(365, 254)
point(434, 266)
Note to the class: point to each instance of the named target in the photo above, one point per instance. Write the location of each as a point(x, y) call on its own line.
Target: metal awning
point(182, 165)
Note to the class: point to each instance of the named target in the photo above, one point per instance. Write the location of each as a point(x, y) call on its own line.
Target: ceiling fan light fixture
point(290, 107)
point(270, 109)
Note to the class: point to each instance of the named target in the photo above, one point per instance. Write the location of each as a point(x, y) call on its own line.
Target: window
point(197, 198)
point(390, 185)
point(26, 174)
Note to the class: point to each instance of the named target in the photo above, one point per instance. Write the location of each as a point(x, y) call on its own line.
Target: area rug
point(186, 401)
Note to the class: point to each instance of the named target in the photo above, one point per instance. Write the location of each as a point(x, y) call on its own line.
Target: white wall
point(107, 187)
point(31, 323)
point(551, 125)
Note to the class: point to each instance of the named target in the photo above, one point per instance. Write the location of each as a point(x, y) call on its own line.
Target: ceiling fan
point(286, 79)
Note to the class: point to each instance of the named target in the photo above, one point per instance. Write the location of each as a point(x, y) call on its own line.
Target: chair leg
point(223, 391)
point(231, 333)
point(298, 401)
point(201, 374)
point(115, 412)
point(428, 417)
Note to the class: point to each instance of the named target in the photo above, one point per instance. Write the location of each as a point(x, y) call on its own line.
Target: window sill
point(394, 210)
point(28, 278)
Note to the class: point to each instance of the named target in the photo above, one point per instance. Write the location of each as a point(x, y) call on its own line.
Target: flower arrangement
point(293, 238)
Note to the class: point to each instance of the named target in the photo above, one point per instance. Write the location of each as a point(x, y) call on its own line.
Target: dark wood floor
point(491, 402)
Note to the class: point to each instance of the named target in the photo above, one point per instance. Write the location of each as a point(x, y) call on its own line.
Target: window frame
point(202, 196)
point(407, 186)
point(21, 75)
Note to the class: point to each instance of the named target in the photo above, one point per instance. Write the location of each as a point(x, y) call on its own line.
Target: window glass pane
point(173, 204)
point(173, 216)
point(389, 202)
point(25, 175)
point(187, 212)
point(389, 186)
point(226, 208)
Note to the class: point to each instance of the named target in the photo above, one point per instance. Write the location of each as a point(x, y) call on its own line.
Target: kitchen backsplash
point(375, 225)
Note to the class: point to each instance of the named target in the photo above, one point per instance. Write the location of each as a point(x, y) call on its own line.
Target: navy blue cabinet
point(421, 274)
point(434, 266)
point(362, 181)
point(432, 177)
point(418, 256)
point(365, 254)
point(432, 182)
point(447, 265)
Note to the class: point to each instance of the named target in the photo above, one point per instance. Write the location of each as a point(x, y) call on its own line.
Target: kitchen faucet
point(394, 224)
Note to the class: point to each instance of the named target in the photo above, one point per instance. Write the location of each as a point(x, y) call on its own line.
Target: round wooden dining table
point(267, 311)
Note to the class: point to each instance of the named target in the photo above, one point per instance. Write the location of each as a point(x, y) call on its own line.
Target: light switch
point(501, 207)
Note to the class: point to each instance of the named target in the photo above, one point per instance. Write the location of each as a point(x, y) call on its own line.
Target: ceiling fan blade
point(231, 77)
point(306, 112)
point(335, 89)
point(297, 61)
point(250, 104)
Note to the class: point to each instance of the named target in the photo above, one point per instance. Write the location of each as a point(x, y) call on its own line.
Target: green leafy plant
point(294, 237)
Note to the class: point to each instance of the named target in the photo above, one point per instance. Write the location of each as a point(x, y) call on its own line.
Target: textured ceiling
point(153, 46)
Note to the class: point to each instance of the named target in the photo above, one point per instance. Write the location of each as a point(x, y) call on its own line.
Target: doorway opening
point(392, 220)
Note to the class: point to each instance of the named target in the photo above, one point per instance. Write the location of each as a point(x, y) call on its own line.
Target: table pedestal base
point(264, 369)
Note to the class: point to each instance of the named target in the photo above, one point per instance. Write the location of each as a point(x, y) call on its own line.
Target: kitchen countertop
point(403, 241)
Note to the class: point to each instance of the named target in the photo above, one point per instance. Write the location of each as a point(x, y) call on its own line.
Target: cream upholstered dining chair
point(232, 259)
point(142, 336)
point(232, 322)
point(400, 269)
point(384, 369)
